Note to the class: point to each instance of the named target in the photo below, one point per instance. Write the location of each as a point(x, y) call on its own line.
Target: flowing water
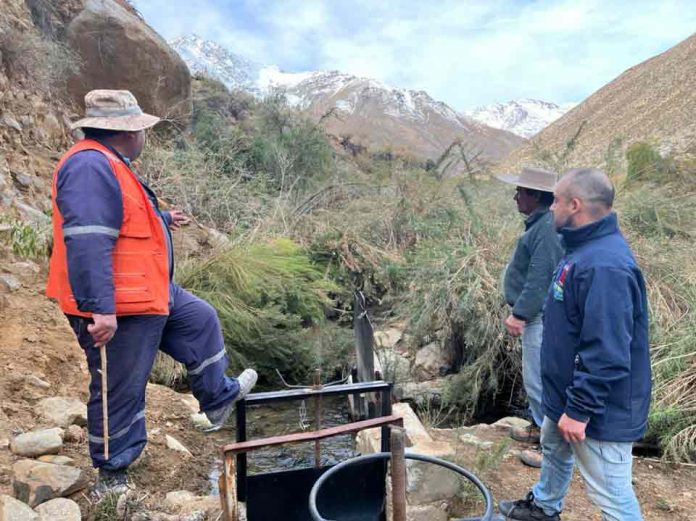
point(285, 418)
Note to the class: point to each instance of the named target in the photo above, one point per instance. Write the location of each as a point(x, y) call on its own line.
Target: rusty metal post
point(228, 489)
point(398, 475)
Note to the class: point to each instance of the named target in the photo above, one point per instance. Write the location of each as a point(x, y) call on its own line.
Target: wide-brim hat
point(533, 178)
point(114, 110)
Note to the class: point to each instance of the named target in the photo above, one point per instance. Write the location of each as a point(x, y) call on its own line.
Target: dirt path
point(665, 492)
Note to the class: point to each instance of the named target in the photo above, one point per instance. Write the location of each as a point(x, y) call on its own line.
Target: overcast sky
point(463, 52)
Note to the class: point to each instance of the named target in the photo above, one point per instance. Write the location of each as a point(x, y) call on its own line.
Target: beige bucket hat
point(534, 178)
point(114, 110)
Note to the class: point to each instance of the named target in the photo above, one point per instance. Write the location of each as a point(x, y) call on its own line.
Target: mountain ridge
point(369, 111)
point(525, 117)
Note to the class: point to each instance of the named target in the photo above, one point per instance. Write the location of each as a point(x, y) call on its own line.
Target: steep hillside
point(51, 54)
point(654, 101)
point(525, 117)
point(371, 113)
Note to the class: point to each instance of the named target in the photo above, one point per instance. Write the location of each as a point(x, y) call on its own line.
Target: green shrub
point(293, 150)
point(645, 163)
point(269, 297)
point(454, 296)
point(28, 240)
point(660, 223)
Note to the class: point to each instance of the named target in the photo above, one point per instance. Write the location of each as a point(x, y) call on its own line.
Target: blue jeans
point(605, 465)
point(531, 367)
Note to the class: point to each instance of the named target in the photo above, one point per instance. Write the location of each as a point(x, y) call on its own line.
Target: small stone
point(200, 421)
point(190, 403)
point(10, 282)
point(24, 267)
point(24, 181)
point(174, 444)
point(4, 444)
point(57, 460)
point(31, 214)
point(470, 439)
point(8, 120)
point(13, 510)
point(36, 482)
point(38, 443)
point(62, 411)
point(427, 513)
point(511, 421)
point(36, 381)
point(122, 504)
point(179, 497)
point(59, 509)
point(75, 434)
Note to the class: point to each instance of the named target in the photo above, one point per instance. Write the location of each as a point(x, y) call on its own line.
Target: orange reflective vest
point(140, 259)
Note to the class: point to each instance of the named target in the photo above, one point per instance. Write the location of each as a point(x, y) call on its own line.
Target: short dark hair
point(544, 198)
point(99, 133)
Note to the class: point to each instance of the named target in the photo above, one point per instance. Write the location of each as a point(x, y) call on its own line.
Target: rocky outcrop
point(119, 50)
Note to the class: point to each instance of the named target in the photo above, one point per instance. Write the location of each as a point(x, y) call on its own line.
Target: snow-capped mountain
point(369, 111)
point(523, 117)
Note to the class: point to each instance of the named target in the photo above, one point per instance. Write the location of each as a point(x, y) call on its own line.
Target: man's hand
point(178, 219)
point(103, 329)
point(514, 325)
point(573, 431)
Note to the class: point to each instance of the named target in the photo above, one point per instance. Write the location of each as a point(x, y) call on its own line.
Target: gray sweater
point(529, 273)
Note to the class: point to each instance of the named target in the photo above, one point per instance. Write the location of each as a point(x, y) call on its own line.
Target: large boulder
point(13, 510)
point(431, 361)
point(119, 50)
point(36, 482)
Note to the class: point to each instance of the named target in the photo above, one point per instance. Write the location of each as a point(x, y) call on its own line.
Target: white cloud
point(464, 52)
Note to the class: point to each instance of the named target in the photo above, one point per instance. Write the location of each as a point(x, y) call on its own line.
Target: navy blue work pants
point(191, 334)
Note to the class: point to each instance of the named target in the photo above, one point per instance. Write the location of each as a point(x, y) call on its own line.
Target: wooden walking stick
point(105, 404)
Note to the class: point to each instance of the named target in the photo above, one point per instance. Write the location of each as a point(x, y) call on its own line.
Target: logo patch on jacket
point(559, 282)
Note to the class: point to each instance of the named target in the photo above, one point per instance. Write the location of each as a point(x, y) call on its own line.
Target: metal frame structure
point(233, 481)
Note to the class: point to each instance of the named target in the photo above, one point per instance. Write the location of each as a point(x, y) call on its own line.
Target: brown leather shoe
point(529, 434)
point(532, 458)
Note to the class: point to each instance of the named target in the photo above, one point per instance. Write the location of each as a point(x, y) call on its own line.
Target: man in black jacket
point(595, 360)
point(527, 280)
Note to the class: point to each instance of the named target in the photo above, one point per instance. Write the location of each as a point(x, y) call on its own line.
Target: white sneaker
point(218, 417)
